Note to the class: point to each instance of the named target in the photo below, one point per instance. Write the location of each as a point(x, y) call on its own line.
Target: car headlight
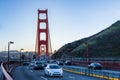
point(49, 71)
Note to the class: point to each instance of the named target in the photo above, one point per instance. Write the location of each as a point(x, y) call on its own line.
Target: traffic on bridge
point(76, 53)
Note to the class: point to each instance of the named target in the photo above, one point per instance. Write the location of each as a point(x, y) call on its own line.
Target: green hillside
point(103, 44)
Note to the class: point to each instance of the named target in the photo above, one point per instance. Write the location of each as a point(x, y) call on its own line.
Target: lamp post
point(10, 42)
point(20, 53)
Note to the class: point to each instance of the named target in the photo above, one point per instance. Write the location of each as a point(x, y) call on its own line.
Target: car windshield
point(54, 67)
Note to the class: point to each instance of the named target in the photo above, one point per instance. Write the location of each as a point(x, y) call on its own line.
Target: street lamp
point(10, 42)
point(20, 53)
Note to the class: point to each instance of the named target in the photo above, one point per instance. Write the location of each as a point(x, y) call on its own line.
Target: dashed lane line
point(43, 78)
point(31, 70)
point(71, 77)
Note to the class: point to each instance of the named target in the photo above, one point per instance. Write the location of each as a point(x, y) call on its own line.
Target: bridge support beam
point(43, 38)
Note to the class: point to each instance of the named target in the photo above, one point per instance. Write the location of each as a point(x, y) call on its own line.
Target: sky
point(69, 20)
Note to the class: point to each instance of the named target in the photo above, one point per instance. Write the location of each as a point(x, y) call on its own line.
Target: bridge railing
point(97, 59)
point(107, 63)
point(95, 73)
point(6, 73)
point(7, 68)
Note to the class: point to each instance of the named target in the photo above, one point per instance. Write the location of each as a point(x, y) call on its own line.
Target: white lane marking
point(71, 77)
point(43, 78)
point(31, 70)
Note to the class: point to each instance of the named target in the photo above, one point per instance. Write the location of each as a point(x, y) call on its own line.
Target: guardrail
point(105, 64)
point(94, 73)
point(7, 67)
point(6, 73)
point(97, 59)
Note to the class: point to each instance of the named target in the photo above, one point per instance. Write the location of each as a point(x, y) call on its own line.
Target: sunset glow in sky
point(69, 20)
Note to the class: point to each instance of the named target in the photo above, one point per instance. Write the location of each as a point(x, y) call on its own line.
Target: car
point(44, 63)
point(53, 70)
point(25, 63)
point(38, 65)
point(60, 62)
point(67, 62)
point(95, 66)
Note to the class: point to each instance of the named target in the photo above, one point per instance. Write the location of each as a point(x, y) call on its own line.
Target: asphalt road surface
point(0, 72)
point(24, 73)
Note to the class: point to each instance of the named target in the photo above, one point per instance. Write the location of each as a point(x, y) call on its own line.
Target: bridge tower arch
point(43, 43)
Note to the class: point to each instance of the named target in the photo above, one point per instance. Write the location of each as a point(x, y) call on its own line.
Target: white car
point(53, 70)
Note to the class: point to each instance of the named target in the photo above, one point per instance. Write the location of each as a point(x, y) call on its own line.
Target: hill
point(103, 44)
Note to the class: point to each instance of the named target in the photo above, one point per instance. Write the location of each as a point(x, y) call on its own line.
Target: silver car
point(53, 70)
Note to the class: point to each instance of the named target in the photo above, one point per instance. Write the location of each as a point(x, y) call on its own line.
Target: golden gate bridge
point(43, 41)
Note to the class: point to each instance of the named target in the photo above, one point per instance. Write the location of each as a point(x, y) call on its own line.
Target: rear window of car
point(38, 63)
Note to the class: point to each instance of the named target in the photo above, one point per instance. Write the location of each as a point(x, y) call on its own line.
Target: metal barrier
point(105, 64)
point(6, 73)
point(97, 59)
point(94, 73)
point(7, 68)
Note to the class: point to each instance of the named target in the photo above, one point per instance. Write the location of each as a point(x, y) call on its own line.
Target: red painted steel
point(42, 45)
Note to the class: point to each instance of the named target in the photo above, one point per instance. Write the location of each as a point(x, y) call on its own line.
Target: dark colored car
point(60, 62)
point(38, 65)
point(95, 66)
point(67, 62)
point(44, 63)
point(25, 63)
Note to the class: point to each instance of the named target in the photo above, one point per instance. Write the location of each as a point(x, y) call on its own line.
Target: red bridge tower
point(43, 43)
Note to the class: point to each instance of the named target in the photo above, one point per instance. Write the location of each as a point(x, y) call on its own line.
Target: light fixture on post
point(10, 42)
point(20, 53)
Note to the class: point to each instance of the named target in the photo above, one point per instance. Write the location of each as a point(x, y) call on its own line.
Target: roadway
point(24, 73)
point(0, 72)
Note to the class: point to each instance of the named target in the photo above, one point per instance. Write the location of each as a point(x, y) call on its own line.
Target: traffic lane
point(66, 76)
point(24, 73)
